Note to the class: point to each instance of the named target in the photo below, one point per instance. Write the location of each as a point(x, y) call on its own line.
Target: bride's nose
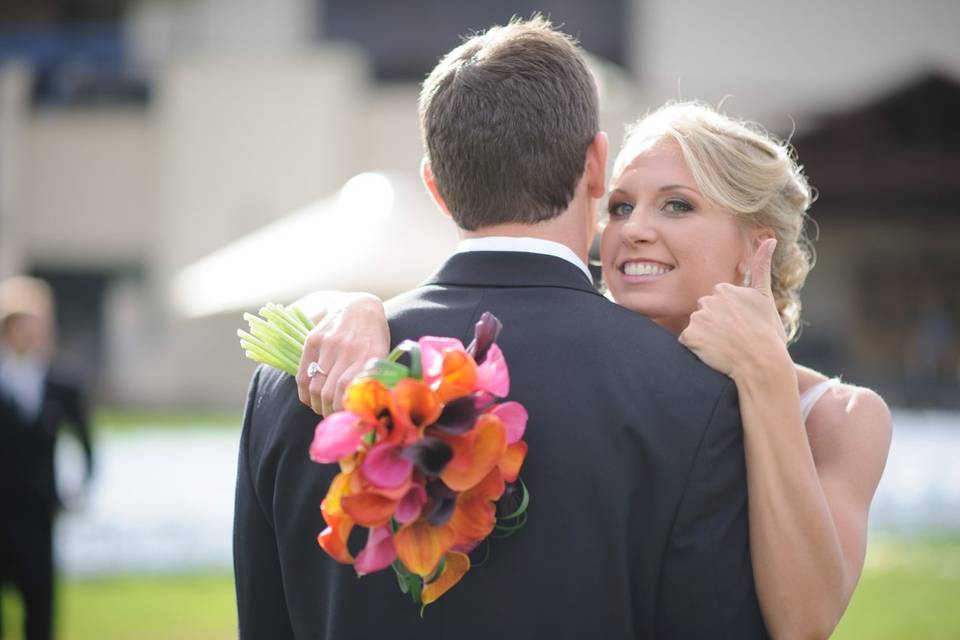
point(638, 229)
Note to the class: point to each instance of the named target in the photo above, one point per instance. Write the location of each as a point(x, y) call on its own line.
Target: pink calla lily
point(384, 467)
point(514, 418)
point(431, 355)
point(492, 375)
point(379, 552)
point(335, 437)
point(411, 505)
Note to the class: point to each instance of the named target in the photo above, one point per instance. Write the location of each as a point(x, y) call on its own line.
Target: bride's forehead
point(663, 152)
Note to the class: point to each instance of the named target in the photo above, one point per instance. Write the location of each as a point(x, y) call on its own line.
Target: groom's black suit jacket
point(638, 517)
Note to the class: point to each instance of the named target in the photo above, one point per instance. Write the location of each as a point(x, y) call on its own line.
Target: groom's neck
point(573, 228)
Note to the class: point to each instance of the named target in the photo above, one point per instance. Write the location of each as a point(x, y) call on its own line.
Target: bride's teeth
point(644, 269)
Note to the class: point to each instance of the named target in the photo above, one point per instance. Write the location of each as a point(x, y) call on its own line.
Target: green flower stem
point(267, 361)
point(271, 344)
point(254, 340)
point(275, 337)
point(289, 318)
point(268, 358)
point(524, 503)
point(271, 326)
point(278, 316)
point(302, 317)
point(412, 348)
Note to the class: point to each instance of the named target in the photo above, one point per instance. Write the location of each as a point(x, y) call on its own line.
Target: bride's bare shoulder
point(807, 377)
point(847, 417)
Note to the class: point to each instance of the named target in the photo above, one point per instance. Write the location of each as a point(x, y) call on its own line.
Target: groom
point(638, 522)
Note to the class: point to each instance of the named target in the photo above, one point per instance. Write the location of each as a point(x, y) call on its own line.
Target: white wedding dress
point(810, 397)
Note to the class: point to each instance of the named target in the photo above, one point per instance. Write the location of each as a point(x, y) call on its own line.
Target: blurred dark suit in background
point(35, 402)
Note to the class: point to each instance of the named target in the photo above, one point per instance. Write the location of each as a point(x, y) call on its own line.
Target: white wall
point(86, 187)
point(244, 142)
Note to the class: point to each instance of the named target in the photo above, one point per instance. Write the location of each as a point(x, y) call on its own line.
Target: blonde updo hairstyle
point(749, 173)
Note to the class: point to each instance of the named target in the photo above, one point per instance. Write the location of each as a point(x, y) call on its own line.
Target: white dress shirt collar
point(22, 380)
point(526, 245)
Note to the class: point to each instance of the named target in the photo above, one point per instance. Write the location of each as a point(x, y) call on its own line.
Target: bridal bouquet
point(429, 452)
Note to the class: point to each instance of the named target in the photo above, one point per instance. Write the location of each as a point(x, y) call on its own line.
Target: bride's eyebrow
point(671, 187)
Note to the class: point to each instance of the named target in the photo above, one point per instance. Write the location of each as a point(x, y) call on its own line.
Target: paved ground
point(163, 499)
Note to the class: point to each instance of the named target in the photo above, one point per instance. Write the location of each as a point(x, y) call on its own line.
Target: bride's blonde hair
point(748, 172)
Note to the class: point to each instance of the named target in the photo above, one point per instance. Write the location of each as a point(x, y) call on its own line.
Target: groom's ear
point(595, 168)
point(426, 174)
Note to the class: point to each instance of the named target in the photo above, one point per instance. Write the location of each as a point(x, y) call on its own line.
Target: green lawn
point(910, 590)
point(109, 419)
point(140, 608)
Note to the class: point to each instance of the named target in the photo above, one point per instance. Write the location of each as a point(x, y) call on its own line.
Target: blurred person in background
point(704, 235)
point(35, 402)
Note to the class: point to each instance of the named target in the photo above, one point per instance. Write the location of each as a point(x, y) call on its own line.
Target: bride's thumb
point(760, 265)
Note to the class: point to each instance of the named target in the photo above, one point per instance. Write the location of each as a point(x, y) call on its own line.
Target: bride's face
point(666, 245)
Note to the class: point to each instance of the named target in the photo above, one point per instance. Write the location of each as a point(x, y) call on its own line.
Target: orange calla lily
point(339, 487)
point(413, 405)
point(421, 545)
point(475, 453)
point(455, 568)
point(369, 509)
point(459, 375)
point(367, 399)
point(474, 515)
point(512, 460)
point(333, 539)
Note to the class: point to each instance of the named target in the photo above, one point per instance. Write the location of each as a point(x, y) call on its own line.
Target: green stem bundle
point(277, 337)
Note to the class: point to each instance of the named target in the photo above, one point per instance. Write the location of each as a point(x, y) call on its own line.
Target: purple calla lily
point(484, 335)
point(430, 455)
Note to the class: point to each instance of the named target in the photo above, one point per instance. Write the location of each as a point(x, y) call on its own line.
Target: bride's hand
point(351, 328)
point(737, 330)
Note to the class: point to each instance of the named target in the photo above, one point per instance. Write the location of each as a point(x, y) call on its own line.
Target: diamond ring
point(314, 369)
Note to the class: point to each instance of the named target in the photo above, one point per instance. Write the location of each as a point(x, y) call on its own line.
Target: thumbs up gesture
point(737, 329)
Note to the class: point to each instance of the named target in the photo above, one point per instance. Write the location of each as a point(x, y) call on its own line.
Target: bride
point(705, 237)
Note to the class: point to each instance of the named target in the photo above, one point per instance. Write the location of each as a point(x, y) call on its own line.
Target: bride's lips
point(643, 270)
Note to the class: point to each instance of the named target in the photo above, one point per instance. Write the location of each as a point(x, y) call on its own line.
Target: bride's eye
point(677, 206)
point(620, 209)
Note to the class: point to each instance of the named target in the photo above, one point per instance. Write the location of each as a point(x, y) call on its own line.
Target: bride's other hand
point(737, 330)
point(351, 328)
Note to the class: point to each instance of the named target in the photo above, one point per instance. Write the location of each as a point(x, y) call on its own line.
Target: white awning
point(380, 233)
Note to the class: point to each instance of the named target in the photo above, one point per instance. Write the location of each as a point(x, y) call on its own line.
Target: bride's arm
point(350, 329)
point(807, 518)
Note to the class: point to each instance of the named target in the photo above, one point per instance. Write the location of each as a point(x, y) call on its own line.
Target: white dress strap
point(810, 397)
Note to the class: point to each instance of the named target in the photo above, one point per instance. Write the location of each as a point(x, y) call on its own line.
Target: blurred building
point(138, 138)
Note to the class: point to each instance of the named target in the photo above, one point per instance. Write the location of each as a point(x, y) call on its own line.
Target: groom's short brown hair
point(506, 119)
